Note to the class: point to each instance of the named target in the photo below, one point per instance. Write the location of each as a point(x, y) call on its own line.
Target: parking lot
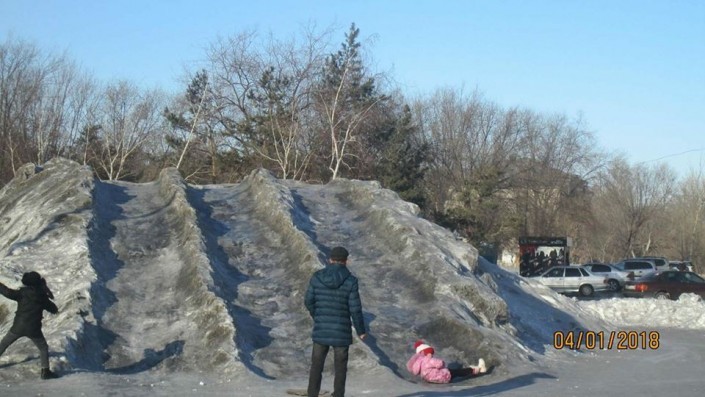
point(598, 296)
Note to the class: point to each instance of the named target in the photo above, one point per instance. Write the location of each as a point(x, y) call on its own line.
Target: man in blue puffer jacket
point(333, 300)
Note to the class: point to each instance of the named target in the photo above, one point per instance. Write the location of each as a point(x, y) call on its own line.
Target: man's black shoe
point(47, 374)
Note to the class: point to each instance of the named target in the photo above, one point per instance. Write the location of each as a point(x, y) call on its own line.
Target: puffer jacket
point(333, 299)
point(431, 369)
point(31, 303)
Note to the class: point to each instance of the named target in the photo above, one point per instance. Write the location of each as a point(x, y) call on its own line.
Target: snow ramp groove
point(152, 302)
point(196, 285)
point(261, 264)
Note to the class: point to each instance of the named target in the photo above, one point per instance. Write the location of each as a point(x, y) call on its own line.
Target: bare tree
point(474, 145)
point(687, 216)
point(345, 97)
point(499, 173)
point(191, 143)
point(260, 98)
point(233, 67)
point(63, 108)
point(557, 159)
point(440, 122)
point(44, 105)
point(283, 100)
point(82, 118)
point(21, 77)
point(628, 201)
point(128, 118)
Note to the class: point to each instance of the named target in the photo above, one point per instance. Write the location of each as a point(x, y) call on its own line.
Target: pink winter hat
point(421, 347)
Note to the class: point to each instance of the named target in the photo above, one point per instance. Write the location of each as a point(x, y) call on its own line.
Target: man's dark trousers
point(340, 365)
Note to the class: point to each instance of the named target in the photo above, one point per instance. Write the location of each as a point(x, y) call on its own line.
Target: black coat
point(31, 303)
point(333, 300)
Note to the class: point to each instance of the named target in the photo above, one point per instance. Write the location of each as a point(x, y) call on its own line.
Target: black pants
point(461, 372)
point(40, 342)
point(340, 365)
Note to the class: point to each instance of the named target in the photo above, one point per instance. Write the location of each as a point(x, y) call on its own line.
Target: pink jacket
point(432, 370)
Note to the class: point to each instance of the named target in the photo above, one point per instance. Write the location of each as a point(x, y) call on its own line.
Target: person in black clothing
point(333, 299)
point(32, 300)
point(525, 264)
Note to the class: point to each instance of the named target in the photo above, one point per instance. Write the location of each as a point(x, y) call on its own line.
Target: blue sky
point(634, 70)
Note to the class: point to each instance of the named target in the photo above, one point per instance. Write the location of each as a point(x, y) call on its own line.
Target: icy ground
point(169, 289)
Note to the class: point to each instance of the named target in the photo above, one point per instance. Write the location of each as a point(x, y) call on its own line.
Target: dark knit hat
point(31, 279)
point(339, 254)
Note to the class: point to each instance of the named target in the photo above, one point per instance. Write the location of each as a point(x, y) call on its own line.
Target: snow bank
point(688, 312)
point(239, 258)
point(44, 216)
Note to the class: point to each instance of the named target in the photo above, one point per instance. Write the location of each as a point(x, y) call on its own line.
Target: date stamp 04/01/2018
point(601, 340)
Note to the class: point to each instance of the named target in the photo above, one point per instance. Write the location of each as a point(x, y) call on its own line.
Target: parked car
point(660, 262)
point(615, 277)
point(638, 267)
point(681, 265)
point(567, 279)
point(665, 285)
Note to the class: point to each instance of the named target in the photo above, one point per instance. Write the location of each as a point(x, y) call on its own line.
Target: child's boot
point(481, 366)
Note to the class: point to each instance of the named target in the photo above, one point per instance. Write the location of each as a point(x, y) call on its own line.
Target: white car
point(638, 267)
point(616, 278)
point(566, 279)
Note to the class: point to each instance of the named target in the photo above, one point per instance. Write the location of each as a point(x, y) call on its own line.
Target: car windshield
point(693, 278)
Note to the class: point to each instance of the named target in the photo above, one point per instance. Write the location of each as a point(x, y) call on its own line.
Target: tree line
point(313, 111)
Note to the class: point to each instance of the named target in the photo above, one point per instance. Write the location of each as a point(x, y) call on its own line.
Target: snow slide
point(170, 277)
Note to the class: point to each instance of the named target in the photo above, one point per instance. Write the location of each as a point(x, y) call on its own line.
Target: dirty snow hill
point(171, 277)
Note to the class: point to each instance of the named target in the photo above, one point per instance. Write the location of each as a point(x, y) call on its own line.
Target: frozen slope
point(166, 277)
point(129, 271)
point(261, 264)
point(44, 217)
point(145, 315)
point(154, 302)
point(416, 280)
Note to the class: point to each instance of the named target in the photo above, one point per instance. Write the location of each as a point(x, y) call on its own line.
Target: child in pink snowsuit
point(433, 370)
